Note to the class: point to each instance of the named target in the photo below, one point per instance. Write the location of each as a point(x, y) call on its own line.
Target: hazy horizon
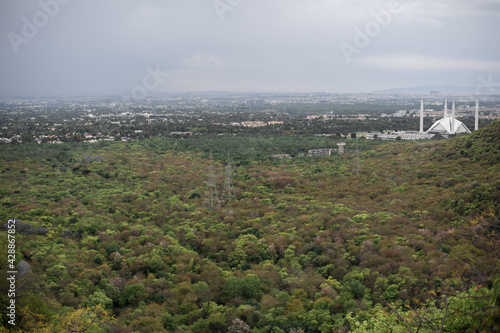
point(72, 47)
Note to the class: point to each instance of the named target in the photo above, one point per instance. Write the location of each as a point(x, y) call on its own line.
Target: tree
point(100, 298)
point(238, 326)
point(248, 287)
point(79, 321)
point(468, 311)
point(132, 294)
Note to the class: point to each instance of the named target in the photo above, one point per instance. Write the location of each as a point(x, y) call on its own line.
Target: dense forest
point(402, 237)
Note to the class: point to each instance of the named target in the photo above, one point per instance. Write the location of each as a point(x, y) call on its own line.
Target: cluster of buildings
point(15, 138)
point(328, 151)
point(325, 117)
point(255, 102)
point(316, 152)
point(89, 138)
point(259, 123)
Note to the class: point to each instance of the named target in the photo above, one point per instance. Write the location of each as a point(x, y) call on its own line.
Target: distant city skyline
point(76, 47)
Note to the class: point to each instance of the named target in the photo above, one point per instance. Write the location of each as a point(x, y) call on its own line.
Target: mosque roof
point(445, 125)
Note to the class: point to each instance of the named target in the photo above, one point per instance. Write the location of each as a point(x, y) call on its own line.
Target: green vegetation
point(119, 242)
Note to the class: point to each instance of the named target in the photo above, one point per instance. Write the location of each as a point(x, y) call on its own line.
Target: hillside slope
point(311, 243)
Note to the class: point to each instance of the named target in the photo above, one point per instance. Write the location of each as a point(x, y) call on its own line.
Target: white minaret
point(452, 127)
point(445, 108)
point(476, 117)
point(422, 115)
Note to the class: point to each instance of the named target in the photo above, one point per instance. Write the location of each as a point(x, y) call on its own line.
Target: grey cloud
point(93, 46)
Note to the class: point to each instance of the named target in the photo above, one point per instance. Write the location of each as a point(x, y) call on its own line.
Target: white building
point(448, 124)
point(403, 135)
point(444, 126)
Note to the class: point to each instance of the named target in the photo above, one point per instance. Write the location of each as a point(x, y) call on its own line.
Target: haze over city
point(110, 47)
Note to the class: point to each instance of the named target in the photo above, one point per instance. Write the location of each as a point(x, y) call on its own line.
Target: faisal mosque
point(445, 126)
point(448, 124)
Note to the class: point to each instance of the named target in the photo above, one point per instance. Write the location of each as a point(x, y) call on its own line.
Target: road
point(23, 267)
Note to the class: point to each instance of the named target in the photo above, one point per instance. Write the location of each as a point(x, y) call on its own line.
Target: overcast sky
point(110, 46)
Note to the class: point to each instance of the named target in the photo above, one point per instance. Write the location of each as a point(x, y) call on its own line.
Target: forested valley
point(401, 237)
